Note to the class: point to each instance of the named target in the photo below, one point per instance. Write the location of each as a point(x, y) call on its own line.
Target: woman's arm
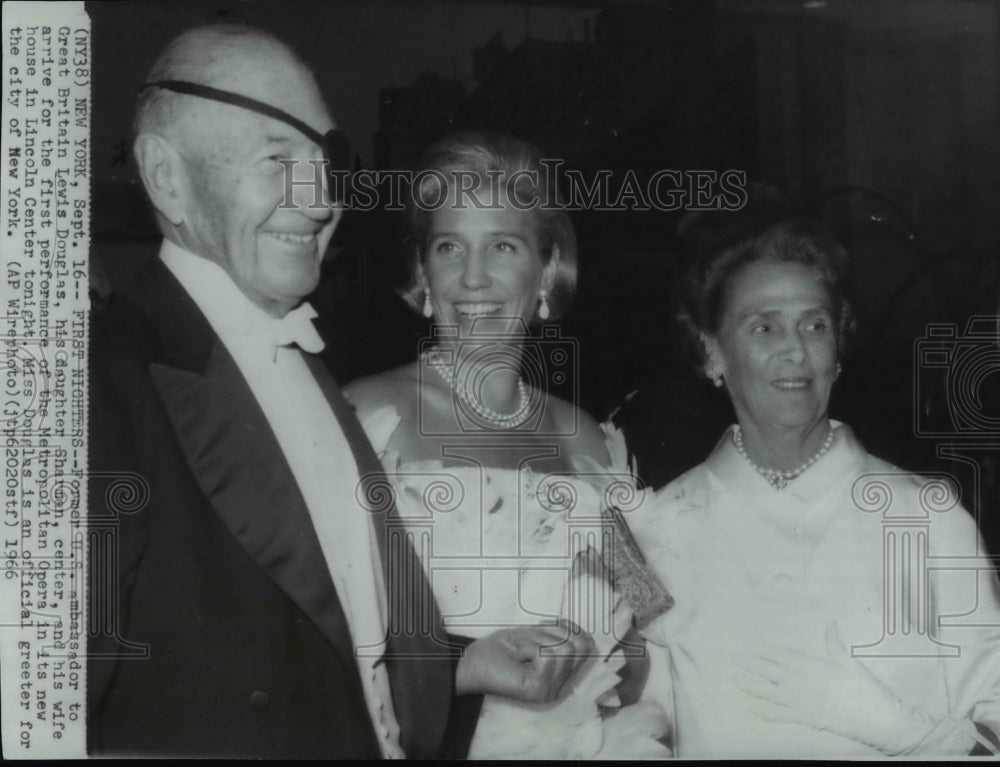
point(836, 692)
point(965, 612)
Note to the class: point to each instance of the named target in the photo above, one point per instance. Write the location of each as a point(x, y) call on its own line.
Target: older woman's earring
point(428, 306)
point(716, 379)
point(837, 372)
point(543, 307)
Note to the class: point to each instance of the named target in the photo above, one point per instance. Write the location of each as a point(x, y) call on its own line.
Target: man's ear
point(551, 269)
point(160, 168)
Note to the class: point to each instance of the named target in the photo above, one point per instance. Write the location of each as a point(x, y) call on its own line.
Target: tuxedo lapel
point(418, 654)
point(234, 454)
point(238, 464)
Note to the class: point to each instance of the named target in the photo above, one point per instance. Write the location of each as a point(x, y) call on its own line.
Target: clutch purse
point(631, 577)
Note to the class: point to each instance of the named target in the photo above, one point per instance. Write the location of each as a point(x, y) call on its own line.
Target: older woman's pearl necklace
point(502, 420)
point(779, 478)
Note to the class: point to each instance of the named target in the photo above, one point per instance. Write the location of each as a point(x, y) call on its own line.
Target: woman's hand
point(526, 663)
point(837, 693)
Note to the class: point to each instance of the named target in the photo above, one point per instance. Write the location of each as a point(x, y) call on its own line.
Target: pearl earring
point(428, 307)
point(838, 371)
point(543, 308)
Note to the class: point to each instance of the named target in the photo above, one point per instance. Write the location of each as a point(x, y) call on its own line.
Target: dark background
point(881, 117)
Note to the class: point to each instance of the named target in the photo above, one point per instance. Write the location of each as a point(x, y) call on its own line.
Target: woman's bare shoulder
point(396, 387)
point(582, 432)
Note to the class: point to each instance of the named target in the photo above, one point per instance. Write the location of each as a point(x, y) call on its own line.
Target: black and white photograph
point(480, 379)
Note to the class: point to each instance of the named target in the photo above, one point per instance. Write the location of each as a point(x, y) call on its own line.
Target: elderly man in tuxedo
point(245, 610)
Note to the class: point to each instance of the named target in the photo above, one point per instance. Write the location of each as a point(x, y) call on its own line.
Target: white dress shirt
point(318, 455)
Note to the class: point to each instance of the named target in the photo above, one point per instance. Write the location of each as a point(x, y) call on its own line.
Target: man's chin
point(298, 294)
point(295, 279)
point(288, 294)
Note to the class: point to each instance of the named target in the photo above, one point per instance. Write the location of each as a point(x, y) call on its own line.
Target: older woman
point(484, 462)
point(807, 621)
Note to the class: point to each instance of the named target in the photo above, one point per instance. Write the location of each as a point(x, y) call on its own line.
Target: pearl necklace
point(504, 421)
point(779, 478)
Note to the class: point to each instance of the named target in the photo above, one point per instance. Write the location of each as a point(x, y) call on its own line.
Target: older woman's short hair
point(765, 237)
point(496, 161)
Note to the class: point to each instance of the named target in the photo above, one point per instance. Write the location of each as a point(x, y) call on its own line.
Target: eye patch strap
point(334, 142)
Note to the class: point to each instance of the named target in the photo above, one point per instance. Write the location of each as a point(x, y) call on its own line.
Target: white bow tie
point(296, 328)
